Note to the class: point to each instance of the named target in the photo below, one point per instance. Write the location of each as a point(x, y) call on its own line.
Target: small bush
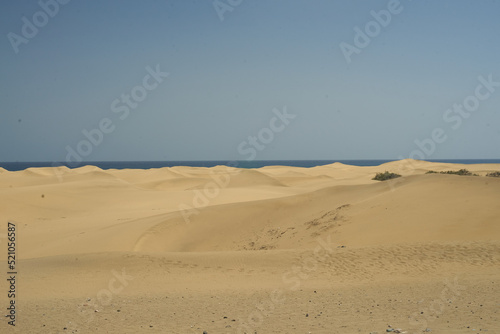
point(385, 176)
point(463, 172)
point(493, 174)
point(431, 172)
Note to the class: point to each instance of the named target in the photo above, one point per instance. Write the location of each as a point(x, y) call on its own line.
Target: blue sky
point(225, 78)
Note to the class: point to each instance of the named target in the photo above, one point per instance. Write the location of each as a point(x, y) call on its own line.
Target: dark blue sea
point(16, 166)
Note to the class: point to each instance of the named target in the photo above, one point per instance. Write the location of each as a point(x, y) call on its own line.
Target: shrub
point(431, 172)
point(385, 176)
point(493, 174)
point(459, 172)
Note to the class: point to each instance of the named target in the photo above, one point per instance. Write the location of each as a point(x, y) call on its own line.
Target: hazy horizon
point(256, 160)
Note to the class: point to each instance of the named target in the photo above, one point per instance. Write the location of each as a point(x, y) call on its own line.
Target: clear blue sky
point(226, 77)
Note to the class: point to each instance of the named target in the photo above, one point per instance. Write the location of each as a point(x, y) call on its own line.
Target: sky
point(249, 80)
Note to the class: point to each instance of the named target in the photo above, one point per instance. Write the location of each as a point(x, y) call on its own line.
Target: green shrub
point(493, 174)
point(385, 176)
point(431, 172)
point(463, 172)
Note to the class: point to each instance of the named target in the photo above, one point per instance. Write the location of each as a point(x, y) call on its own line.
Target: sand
point(272, 250)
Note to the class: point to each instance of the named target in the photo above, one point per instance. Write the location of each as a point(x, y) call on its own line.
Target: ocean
point(16, 166)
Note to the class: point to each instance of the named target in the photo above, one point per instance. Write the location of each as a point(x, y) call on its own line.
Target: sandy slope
point(270, 250)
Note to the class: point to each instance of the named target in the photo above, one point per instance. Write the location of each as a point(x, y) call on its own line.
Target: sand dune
point(277, 249)
point(150, 175)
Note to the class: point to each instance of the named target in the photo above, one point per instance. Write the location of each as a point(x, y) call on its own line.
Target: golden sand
point(271, 250)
